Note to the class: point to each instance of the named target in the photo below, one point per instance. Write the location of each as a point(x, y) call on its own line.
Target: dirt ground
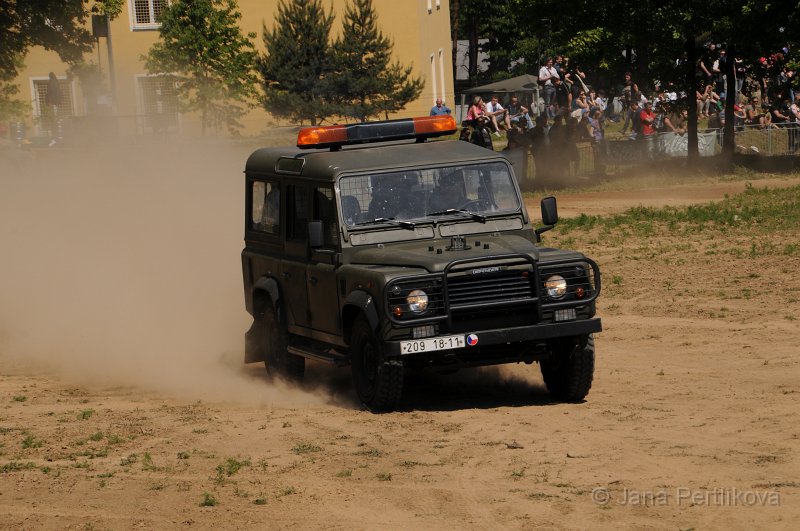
point(124, 403)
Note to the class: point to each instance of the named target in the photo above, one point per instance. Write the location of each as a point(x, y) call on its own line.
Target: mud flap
point(255, 342)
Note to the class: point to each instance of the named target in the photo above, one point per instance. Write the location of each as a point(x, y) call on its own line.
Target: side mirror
point(549, 210)
point(315, 239)
point(549, 216)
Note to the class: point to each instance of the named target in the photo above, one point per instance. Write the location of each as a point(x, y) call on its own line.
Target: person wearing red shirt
point(647, 116)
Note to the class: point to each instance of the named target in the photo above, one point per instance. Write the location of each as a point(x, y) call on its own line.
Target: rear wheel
point(379, 383)
point(277, 360)
point(569, 371)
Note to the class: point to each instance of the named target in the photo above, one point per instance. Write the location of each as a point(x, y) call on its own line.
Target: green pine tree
point(364, 82)
point(203, 49)
point(296, 62)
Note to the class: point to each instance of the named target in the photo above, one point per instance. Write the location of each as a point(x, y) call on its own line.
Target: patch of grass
point(15, 466)
point(128, 461)
point(20, 398)
point(286, 491)
point(383, 476)
point(260, 501)
point(208, 500)
point(518, 474)
point(114, 439)
point(756, 210)
point(96, 436)
point(86, 414)
point(370, 452)
point(31, 442)
point(231, 466)
point(147, 462)
point(305, 448)
point(183, 455)
point(346, 473)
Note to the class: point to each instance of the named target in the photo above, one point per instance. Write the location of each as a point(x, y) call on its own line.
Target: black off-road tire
point(277, 360)
point(378, 382)
point(569, 371)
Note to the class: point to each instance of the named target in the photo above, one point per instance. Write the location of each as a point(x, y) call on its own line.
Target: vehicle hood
point(419, 253)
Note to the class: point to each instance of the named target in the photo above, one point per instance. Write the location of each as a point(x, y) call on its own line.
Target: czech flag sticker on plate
point(472, 340)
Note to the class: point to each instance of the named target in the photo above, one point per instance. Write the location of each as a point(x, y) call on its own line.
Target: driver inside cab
point(449, 192)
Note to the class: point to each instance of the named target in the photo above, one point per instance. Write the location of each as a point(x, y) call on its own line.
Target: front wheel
point(569, 371)
point(277, 360)
point(379, 383)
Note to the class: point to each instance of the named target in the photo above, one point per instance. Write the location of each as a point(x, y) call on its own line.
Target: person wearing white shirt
point(546, 76)
point(496, 112)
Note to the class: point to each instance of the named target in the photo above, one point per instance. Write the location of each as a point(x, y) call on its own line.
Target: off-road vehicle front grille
point(490, 288)
point(512, 287)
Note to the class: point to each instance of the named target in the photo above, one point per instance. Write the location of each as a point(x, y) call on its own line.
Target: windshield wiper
point(474, 215)
point(409, 225)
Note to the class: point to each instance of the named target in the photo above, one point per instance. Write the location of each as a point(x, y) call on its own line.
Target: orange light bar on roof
point(315, 136)
point(435, 124)
point(337, 136)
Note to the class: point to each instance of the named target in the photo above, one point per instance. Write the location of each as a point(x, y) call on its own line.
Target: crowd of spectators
point(573, 111)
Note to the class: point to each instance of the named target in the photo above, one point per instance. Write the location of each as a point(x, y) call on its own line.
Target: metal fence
point(614, 155)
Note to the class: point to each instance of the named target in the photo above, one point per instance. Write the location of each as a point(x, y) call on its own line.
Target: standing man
point(547, 76)
point(53, 100)
point(440, 108)
point(794, 124)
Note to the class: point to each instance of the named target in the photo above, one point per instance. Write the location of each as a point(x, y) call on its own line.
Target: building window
point(158, 103)
point(145, 14)
point(48, 114)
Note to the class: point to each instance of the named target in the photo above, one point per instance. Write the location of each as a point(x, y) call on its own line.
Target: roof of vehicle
point(325, 165)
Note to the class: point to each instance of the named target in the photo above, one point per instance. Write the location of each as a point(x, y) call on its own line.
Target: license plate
point(432, 344)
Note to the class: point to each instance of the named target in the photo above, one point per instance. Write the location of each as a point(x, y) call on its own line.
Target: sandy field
point(124, 403)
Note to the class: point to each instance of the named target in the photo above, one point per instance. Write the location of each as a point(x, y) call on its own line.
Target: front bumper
point(519, 334)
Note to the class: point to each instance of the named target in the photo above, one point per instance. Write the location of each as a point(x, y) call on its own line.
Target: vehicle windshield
point(472, 191)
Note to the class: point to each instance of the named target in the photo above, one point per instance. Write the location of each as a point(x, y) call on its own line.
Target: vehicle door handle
point(313, 280)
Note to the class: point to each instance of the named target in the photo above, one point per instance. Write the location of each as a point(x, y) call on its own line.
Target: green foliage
point(202, 48)
point(57, 25)
point(208, 500)
point(305, 448)
point(364, 83)
point(755, 210)
point(112, 8)
point(296, 62)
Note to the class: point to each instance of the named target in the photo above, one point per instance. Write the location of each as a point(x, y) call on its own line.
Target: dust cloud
point(121, 266)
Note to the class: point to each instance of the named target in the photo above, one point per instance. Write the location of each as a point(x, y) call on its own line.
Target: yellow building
point(420, 30)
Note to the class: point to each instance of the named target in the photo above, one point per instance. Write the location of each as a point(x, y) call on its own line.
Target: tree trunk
point(473, 52)
point(691, 99)
point(454, 29)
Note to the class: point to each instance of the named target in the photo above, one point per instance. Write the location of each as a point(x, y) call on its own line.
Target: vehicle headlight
point(417, 301)
point(555, 286)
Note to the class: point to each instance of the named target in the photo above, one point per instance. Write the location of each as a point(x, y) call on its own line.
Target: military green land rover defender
point(368, 246)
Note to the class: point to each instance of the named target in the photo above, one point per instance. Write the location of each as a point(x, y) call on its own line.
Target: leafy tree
point(296, 62)
point(364, 83)
point(202, 48)
point(57, 25)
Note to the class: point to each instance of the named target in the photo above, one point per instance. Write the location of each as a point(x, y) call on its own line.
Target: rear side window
point(266, 211)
